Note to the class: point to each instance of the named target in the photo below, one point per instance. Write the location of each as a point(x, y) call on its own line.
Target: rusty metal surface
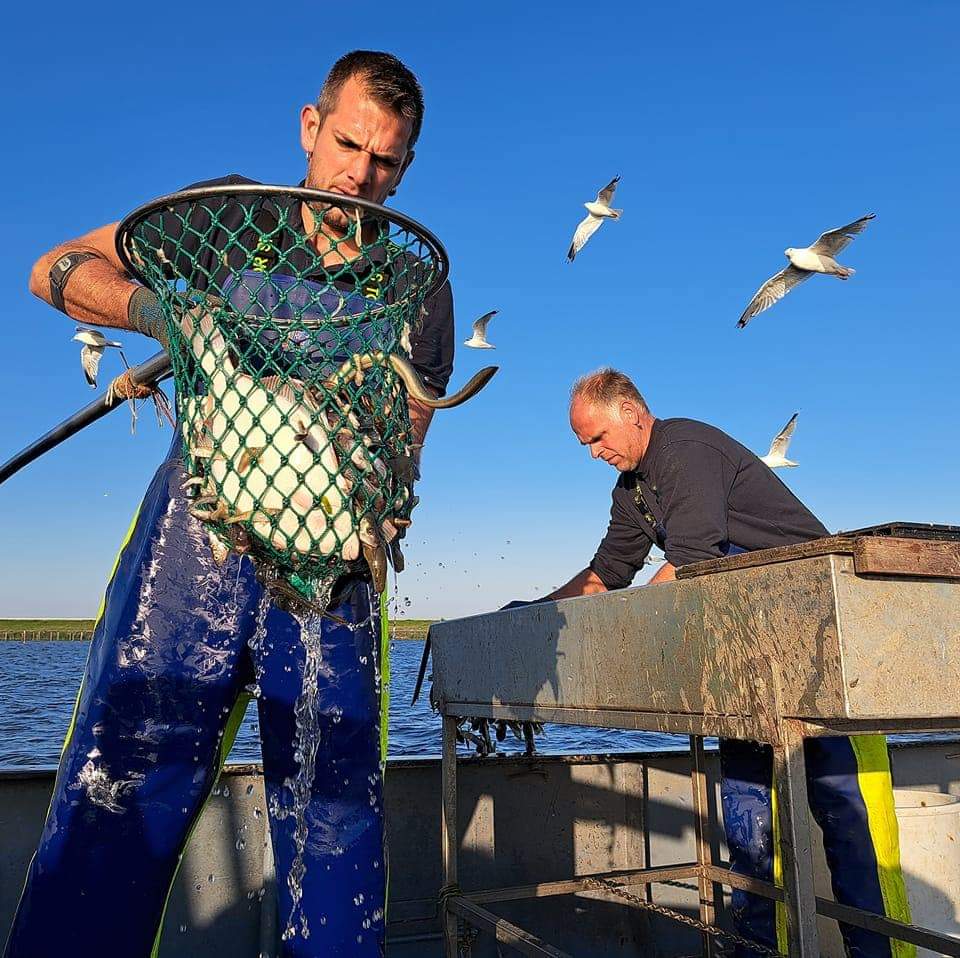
point(921, 937)
point(504, 931)
point(844, 647)
point(545, 889)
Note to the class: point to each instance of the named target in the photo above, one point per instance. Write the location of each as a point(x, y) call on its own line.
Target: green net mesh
point(289, 314)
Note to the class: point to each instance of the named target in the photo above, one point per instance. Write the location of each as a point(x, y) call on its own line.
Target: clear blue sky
point(738, 130)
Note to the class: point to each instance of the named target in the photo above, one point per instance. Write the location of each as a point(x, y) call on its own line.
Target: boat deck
point(570, 815)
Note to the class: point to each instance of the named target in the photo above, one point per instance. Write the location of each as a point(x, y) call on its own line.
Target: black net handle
point(149, 373)
point(441, 262)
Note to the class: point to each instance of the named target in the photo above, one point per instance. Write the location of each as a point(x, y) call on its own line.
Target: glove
point(145, 315)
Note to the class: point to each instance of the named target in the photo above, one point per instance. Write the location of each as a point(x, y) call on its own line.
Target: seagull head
point(788, 251)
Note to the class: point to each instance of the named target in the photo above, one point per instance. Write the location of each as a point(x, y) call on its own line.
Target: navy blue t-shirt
point(697, 492)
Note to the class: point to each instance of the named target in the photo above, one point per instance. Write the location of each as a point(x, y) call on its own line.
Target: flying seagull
point(94, 343)
point(479, 338)
point(597, 212)
point(777, 456)
point(818, 258)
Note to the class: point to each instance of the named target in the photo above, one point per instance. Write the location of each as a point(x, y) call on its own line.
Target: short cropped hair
point(384, 78)
point(605, 387)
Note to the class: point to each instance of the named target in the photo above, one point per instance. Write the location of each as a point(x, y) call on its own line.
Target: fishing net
point(288, 314)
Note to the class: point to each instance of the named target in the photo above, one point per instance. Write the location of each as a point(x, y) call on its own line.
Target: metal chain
point(465, 939)
point(712, 930)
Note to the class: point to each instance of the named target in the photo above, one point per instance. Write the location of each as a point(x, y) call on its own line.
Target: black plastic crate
point(909, 530)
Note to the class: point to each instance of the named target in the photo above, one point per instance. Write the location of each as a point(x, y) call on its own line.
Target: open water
point(39, 682)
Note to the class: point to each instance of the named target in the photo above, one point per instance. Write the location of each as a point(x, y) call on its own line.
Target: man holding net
point(186, 630)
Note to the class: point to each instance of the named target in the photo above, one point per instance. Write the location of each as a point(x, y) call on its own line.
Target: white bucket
point(930, 857)
point(929, 824)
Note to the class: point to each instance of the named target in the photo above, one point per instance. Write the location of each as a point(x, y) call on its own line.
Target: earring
point(392, 193)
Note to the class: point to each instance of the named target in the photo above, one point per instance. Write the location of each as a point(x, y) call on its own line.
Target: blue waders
point(850, 791)
point(161, 699)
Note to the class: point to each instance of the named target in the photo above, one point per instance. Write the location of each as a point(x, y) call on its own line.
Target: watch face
point(60, 273)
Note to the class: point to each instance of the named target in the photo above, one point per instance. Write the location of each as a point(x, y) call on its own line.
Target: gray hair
point(605, 387)
point(384, 78)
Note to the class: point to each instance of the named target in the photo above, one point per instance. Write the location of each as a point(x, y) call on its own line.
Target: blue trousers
point(851, 798)
point(177, 643)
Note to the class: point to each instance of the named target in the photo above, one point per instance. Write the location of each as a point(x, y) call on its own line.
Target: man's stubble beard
point(334, 218)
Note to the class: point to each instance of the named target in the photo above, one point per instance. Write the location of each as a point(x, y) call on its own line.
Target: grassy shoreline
point(67, 630)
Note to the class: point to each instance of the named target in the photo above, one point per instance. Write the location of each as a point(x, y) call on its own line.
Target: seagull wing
point(605, 196)
point(833, 241)
point(772, 291)
point(90, 361)
point(588, 226)
point(781, 441)
point(480, 325)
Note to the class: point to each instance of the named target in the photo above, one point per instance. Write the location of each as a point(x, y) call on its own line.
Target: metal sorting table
point(837, 636)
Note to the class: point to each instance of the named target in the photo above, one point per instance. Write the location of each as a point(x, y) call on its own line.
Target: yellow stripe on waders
point(384, 734)
point(226, 743)
point(876, 789)
point(100, 610)
point(780, 912)
point(76, 703)
point(384, 676)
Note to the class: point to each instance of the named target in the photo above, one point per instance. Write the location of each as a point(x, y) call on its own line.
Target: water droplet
point(210, 878)
point(249, 789)
point(226, 791)
point(183, 928)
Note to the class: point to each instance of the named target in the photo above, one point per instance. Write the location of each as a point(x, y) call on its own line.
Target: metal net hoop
point(288, 314)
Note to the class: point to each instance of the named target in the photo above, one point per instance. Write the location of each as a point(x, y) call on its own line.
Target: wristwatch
point(60, 273)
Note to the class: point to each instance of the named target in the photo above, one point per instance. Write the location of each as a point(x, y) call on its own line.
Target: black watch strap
point(60, 273)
